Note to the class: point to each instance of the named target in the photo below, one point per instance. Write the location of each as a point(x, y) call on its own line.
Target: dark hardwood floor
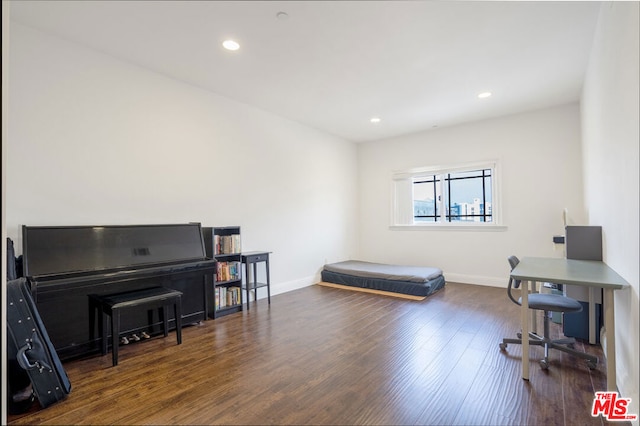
point(321, 355)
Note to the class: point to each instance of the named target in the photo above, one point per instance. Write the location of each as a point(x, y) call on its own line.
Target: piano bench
point(150, 298)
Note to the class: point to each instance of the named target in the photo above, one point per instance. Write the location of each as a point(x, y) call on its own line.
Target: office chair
point(547, 303)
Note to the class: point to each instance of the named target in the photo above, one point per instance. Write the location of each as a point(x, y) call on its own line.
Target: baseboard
point(476, 279)
point(291, 285)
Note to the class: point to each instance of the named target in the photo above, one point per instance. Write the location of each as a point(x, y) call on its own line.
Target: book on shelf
point(227, 296)
point(226, 244)
point(228, 271)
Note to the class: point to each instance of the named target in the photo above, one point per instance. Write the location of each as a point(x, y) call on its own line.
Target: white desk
point(589, 273)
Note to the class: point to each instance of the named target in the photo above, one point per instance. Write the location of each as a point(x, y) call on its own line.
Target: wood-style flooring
point(321, 356)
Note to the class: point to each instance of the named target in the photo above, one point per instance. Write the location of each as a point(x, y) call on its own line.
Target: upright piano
point(66, 264)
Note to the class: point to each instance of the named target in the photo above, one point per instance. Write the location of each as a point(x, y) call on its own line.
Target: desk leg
point(592, 315)
point(524, 318)
point(533, 318)
point(609, 323)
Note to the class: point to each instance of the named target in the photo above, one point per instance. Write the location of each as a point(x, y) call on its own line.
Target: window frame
point(402, 198)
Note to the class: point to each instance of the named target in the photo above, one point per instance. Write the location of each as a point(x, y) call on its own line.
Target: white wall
point(539, 156)
point(94, 140)
point(6, 11)
point(610, 111)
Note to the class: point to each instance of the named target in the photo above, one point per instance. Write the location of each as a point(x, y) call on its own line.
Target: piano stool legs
point(111, 305)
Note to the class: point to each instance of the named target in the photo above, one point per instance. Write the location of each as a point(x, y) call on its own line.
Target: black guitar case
point(29, 347)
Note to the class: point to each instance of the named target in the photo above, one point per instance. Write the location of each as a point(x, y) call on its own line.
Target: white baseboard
point(476, 279)
point(290, 285)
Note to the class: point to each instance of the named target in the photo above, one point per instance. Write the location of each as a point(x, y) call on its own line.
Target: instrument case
point(30, 346)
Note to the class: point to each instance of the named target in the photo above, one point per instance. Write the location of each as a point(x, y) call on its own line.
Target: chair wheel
point(503, 346)
point(544, 364)
point(519, 335)
point(591, 365)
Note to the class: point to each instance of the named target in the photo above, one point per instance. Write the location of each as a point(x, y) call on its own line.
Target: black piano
point(67, 264)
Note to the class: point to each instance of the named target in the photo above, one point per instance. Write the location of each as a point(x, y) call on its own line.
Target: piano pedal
point(124, 341)
point(145, 335)
point(135, 338)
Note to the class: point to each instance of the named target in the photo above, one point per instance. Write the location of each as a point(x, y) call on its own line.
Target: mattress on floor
point(414, 280)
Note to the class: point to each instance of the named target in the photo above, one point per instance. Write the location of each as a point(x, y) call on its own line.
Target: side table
point(250, 261)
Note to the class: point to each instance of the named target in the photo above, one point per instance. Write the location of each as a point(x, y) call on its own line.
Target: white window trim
point(488, 227)
point(400, 214)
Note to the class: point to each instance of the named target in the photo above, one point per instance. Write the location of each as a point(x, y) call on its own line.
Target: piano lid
point(50, 250)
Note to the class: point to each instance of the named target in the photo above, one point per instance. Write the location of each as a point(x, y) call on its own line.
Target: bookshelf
point(224, 245)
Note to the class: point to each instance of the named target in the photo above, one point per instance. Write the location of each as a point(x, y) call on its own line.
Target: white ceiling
point(332, 65)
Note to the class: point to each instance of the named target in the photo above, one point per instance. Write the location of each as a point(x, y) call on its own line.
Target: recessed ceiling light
point(230, 45)
point(484, 95)
point(375, 120)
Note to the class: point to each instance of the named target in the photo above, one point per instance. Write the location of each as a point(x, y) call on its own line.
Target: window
point(458, 195)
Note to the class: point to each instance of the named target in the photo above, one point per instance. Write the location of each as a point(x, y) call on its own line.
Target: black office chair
point(547, 303)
